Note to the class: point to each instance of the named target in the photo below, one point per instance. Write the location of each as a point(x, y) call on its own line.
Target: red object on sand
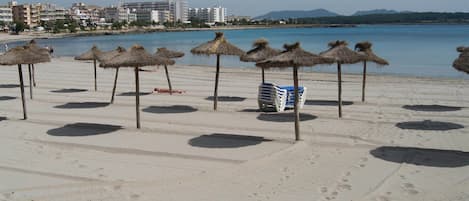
point(160, 90)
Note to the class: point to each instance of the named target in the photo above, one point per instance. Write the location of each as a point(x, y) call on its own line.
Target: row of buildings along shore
point(160, 11)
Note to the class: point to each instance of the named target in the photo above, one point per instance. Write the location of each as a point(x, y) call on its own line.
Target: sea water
point(412, 50)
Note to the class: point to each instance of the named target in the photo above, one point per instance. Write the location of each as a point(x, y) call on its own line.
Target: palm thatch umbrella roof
point(34, 47)
point(339, 51)
point(261, 50)
point(462, 63)
point(23, 55)
point(294, 56)
point(135, 57)
point(110, 54)
point(91, 54)
point(164, 52)
point(217, 46)
point(365, 49)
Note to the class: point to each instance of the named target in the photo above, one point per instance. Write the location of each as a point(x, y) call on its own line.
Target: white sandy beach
point(73, 148)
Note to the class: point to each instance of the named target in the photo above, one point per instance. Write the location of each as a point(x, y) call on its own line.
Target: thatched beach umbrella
point(218, 46)
point(342, 55)
point(136, 57)
point(163, 52)
point(91, 54)
point(34, 47)
point(365, 49)
point(294, 56)
point(23, 55)
point(104, 56)
point(261, 51)
point(462, 63)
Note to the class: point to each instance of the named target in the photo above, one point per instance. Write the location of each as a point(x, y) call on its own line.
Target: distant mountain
point(292, 14)
point(375, 12)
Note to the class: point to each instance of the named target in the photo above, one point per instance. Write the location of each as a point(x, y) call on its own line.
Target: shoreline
point(25, 36)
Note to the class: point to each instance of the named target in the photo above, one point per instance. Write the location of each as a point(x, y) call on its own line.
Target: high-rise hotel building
point(178, 9)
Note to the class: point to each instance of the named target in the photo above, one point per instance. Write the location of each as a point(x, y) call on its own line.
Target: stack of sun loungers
point(279, 97)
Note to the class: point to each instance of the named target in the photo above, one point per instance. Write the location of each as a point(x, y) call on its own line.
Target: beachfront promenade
point(402, 144)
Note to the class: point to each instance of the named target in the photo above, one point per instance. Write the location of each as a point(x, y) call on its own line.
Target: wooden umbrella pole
point(364, 81)
point(20, 71)
point(115, 84)
point(169, 81)
point(215, 94)
point(297, 97)
point(263, 78)
point(30, 82)
point(95, 76)
point(137, 97)
point(339, 75)
point(34, 75)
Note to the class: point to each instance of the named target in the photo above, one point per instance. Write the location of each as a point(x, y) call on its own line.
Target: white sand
point(363, 156)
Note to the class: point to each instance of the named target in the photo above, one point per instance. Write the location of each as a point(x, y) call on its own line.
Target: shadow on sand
point(68, 91)
point(170, 109)
point(83, 129)
point(5, 98)
point(3, 118)
point(285, 117)
point(422, 157)
point(227, 98)
point(431, 108)
point(9, 86)
point(82, 105)
point(218, 140)
point(133, 94)
point(327, 102)
point(429, 125)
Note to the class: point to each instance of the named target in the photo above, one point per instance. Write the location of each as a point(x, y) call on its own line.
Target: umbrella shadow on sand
point(83, 129)
point(422, 157)
point(133, 94)
point(174, 109)
point(432, 108)
point(6, 98)
point(9, 86)
point(327, 102)
point(218, 140)
point(68, 91)
point(428, 125)
point(3, 119)
point(284, 117)
point(82, 105)
point(227, 98)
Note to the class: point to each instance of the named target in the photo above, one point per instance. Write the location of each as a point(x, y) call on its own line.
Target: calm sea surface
point(413, 50)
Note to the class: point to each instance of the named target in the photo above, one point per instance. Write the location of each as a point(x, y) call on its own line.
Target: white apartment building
point(6, 14)
point(50, 12)
point(83, 12)
point(118, 14)
point(178, 9)
point(153, 16)
point(209, 15)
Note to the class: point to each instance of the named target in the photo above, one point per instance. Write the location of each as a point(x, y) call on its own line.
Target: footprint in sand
point(117, 187)
point(82, 166)
point(134, 196)
point(323, 189)
point(382, 198)
point(410, 189)
point(345, 187)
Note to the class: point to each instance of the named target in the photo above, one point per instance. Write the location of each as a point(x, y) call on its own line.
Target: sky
point(260, 7)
